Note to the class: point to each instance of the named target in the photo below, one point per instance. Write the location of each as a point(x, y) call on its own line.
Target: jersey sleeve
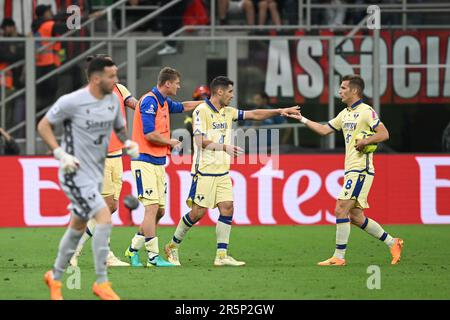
point(124, 92)
point(175, 107)
point(236, 114)
point(61, 110)
point(119, 121)
point(200, 121)
point(371, 118)
point(149, 106)
point(336, 123)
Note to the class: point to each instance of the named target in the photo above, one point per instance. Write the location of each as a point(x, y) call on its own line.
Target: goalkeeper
point(88, 116)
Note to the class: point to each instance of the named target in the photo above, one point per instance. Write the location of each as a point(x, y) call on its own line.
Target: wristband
point(304, 120)
point(58, 153)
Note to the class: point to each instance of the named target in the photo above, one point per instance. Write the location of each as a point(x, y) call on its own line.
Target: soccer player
point(359, 168)
point(151, 130)
point(112, 178)
point(211, 184)
point(88, 115)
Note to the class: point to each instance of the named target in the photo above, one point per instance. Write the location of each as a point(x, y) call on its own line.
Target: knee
point(113, 208)
point(262, 5)
point(197, 213)
point(160, 213)
point(340, 211)
point(353, 219)
point(227, 210)
point(248, 5)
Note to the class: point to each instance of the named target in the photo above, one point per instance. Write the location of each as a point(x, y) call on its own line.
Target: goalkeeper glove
point(67, 162)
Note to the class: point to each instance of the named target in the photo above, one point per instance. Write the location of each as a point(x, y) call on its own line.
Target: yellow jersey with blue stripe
point(352, 120)
point(214, 125)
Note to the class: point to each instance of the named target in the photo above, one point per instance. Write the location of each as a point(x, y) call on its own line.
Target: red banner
point(408, 189)
point(299, 68)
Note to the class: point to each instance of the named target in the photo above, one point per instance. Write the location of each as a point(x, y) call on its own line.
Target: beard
point(106, 90)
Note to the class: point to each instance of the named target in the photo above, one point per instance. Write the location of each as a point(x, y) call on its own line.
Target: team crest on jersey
point(111, 108)
point(148, 192)
point(200, 197)
point(151, 109)
point(212, 116)
point(356, 115)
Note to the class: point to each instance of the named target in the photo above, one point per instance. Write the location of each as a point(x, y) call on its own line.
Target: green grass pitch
point(281, 264)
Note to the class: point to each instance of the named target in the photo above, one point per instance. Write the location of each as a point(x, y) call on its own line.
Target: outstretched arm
point(191, 105)
point(261, 114)
point(321, 129)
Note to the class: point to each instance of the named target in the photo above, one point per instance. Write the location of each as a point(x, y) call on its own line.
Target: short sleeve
point(200, 121)
point(236, 114)
point(61, 110)
point(148, 109)
point(124, 92)
point(119, 121)
point(336, 123)
point(175, 107)
point(371, 118)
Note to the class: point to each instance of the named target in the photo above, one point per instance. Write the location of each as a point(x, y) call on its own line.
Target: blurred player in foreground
point(112, 178)
point(88, 115)
point(359, 169)
point(211, 184)
point(151, 130)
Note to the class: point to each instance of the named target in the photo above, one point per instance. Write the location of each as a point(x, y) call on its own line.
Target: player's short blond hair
point(168, 74)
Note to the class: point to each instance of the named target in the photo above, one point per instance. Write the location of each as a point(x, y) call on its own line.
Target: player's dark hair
point(168, 74)
point(355, 81)
point(220, 82)
point(98, 65)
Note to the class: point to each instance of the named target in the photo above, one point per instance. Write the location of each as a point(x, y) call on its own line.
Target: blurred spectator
point(270, 6)
point(225, 7)
point(171, 21)
point(73, 49)
point(335, 14)
point(261, 101)
point(11, 52)
point(132, 14)
point(289, 10)
point(22, 12)
point(8, 146)
point(48, 59)
point(355, 16)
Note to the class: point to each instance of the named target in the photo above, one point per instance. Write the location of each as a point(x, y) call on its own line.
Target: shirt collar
point(159, 96)
point(357, 103)
point(211, 105)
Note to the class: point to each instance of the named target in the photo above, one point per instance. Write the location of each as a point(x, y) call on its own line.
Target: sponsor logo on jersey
point(219, 125)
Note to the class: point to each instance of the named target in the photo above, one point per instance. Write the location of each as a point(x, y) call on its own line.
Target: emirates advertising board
point(297, 190)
